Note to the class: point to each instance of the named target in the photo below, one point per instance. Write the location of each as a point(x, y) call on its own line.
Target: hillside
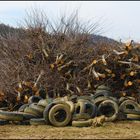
point(7, 29)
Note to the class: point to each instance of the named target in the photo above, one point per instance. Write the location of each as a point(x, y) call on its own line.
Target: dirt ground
point(123, 129)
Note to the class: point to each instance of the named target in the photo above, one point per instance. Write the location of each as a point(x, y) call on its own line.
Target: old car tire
point(27, 116)
point(103, 98)
point(110, 109)
point(129, 107)
point(80, 107)
point(11, 116)
point(85, 106)
point(46, 112)
point(25, 122)
point(71, 104)
point(65, 98)
point(47, 109)
point(103, 87)
point(101, 93)
point(122, 99)
point(43, 103)
point(62, 111)
point(82, 123)
point(36, 107)
point(38, 121)
point(34, 99)
point(89, 98)
point(32, 111)
point(73, 98)
point(91, 109)
point(133, 117)
point(3, 122)
point(81, 116)
point(21, 109)
point(121, 116)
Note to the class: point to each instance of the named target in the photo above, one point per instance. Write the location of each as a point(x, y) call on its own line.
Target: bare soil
point(120, 130)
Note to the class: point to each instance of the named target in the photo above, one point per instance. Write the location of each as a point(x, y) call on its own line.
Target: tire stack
point(78, 111)
point(130, 107)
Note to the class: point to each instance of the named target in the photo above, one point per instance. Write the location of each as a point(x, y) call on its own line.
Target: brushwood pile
point(65, 77)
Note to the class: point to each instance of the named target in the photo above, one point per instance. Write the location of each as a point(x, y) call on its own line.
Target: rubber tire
point(80, 107)
point(26, 122)
point(38, 121)
point(101, 93)
point(93, 107)
point(73, 98)
point(49, 100)
point(4, 122)
point(65, 98)
point(114, 105)
point(136, 106)
point(121, 116)
point(21, 109)
point(102, 90)
point(27, 116)
point(82, 103)
point(103, 98)
point(89, 98)
point(55, 108)
point(86, 123)
point(36, 107)
point(17, 106)
point(11, 116)
point(47, 109)
point(102, 87)
point(32, 111)
point(82, 116)
point(71, 104)
point(43, 103)
point(133, 117)
point(82, 100)
point(67, 103)
point(122, 99)
point(34, 99)
point(46, 112)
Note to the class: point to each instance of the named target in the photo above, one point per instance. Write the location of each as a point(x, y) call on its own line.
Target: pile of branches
point(72, 62)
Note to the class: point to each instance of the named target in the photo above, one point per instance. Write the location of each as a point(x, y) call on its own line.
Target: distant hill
point(99, 38)
point(8, 30)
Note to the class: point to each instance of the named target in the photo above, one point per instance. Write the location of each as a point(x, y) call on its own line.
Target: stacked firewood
point(118, 70)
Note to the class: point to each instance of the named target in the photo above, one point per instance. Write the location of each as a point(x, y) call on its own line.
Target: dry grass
point(118, 130)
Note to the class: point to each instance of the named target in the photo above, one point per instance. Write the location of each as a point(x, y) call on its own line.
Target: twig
point(41, 73)
point(95, 73)
point(118, 53)
point(66, 65)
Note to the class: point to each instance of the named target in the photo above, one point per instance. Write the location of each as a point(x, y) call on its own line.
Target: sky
point(118, 19)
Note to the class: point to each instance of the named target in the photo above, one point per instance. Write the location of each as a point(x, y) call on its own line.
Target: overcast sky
point(119, 19)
